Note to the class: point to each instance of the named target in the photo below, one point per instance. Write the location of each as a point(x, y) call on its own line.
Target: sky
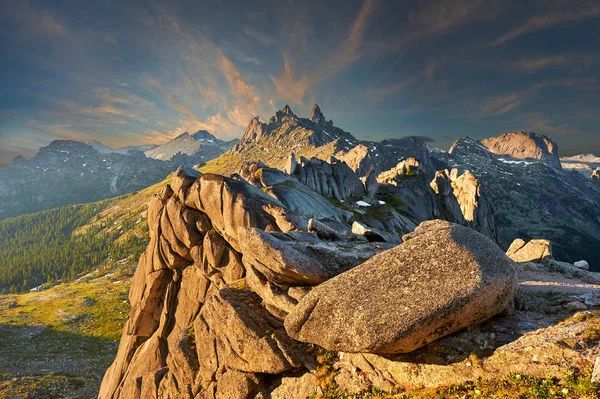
point(142, 72)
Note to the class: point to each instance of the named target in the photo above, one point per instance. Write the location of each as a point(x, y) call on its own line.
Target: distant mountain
point(104, 149)
point(585, 164)
point(69, 172)
point(198, 147)
point(585, 158)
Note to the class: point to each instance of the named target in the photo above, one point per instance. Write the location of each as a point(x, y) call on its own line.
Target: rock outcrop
point(215, 297)
point(537, 251)
point(595, 177)
point(409, 166)
point(359, 159)
point(332, 179)
point(372, 308)
point(523, 145)
point(462, 199)
point(226, 262)
point(294, 195)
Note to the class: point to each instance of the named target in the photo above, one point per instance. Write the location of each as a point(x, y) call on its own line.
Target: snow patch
point(362, 203)
point(509, 161)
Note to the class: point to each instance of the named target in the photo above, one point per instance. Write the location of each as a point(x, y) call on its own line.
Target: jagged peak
point(201, 135)
point(184, 134)
point(287, 110)
point(316, 115)
point(254, 131)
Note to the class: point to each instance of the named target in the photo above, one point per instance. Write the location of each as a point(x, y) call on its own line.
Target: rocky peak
point(66, 147)
point(596, 175)
point(203, 135)
point(316, 115)
point(255, 130)
point(523, 145)
point(103, 149)
point(286, 112)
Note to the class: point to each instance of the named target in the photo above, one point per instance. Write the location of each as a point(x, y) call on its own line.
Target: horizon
point(145, 73)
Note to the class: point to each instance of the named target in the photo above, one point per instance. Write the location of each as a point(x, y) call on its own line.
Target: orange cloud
point(287, 85)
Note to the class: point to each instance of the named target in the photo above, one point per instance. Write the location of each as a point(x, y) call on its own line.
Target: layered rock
point(331, 179)
point(523, 145)
point(460, 277)
point(293, 194)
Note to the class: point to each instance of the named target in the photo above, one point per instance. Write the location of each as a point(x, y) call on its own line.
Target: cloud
point(375, 95)
point(109, 38)
point(499, 105)
point(437, 18)
point(287, 85)
point(440, 17)
point(561, 12)
point(532, 65)
point(259, 36)
point(241, 91)
point(33, 20)
point(293, 88)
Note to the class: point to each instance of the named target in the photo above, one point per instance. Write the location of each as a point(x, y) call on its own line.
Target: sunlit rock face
point(523, 145)
point(595, 177)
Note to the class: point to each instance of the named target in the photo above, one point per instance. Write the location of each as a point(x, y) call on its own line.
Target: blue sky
point(139, 72)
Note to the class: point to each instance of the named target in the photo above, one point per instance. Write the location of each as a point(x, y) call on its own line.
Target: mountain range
point(522, 174)
point(304, 203)
point(533, 192)
point(68, 172)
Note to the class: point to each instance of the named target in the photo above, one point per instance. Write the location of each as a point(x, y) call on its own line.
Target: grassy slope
point(58, 342)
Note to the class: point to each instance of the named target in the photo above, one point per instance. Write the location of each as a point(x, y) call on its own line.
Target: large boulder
point(445, 277)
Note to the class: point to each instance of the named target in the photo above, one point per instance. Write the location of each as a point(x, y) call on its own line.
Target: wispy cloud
point(259, 36)
point(499, 105)
point(109, 38)
point(33, 20)
point(561, 12)
point(574, 60)
point(288, 85)
point(293, 87)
